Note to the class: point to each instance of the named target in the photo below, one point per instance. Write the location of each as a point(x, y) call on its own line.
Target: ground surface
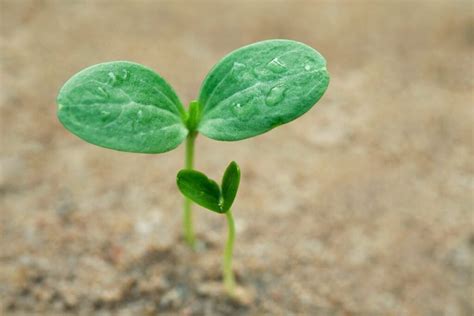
point(361, 207)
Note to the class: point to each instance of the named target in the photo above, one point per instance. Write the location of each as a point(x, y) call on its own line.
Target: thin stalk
point(229, 279)
point(187, 213)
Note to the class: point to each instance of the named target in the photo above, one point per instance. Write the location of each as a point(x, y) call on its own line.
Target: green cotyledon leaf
point(260, 86)
point(200, 189)
point(123, 106)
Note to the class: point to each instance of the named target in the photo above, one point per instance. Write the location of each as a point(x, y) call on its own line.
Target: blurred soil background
point(363, 206)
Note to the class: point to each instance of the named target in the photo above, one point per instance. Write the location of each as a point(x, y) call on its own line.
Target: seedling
point(128, 107)
point(197, 187)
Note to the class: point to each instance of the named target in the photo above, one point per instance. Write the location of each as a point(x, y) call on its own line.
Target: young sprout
point(199, 188)
point(125, 106)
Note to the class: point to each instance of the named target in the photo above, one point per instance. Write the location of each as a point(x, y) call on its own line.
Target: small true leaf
point(199, 188)
point(260, 86)
point(193, 118)
point(123, 106)
point(230, 185)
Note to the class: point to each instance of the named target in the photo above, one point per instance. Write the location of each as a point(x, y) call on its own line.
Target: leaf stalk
point(188, 227)
point(229, 278)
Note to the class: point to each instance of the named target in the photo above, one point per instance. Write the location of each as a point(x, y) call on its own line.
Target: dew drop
point(112, 77)
point(237, 70)
point(236, 108)
point(143, 118)
point(277, 66)
point(105, 116)
point(103, 92)
point(275, 95)
point(239, 111)
point(236, 67)
point(307, 67)
point(124, 74)
point(241, 72)
point(244, 112)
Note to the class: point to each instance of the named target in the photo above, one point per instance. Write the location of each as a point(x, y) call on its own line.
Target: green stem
point(229, 279)
point(187, 214)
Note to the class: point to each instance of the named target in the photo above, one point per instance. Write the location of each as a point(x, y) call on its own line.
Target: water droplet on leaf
point(241, 72)
point(275, 95)
point(277, 66)
point(102, 92)
point(243, 112)
point(307, 67)
point(236, 108)
point(124, 74)
point(105, 116)
point(113, 78)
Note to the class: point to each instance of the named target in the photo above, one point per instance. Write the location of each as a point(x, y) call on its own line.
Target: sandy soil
point(361, 207)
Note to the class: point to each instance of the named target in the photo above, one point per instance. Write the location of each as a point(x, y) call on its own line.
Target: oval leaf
point(259, 87)
point(199, 188)
point(230, 185)
point(123, 106)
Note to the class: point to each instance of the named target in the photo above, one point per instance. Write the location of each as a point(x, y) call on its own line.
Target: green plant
point(199, 188)
point(125, 106)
